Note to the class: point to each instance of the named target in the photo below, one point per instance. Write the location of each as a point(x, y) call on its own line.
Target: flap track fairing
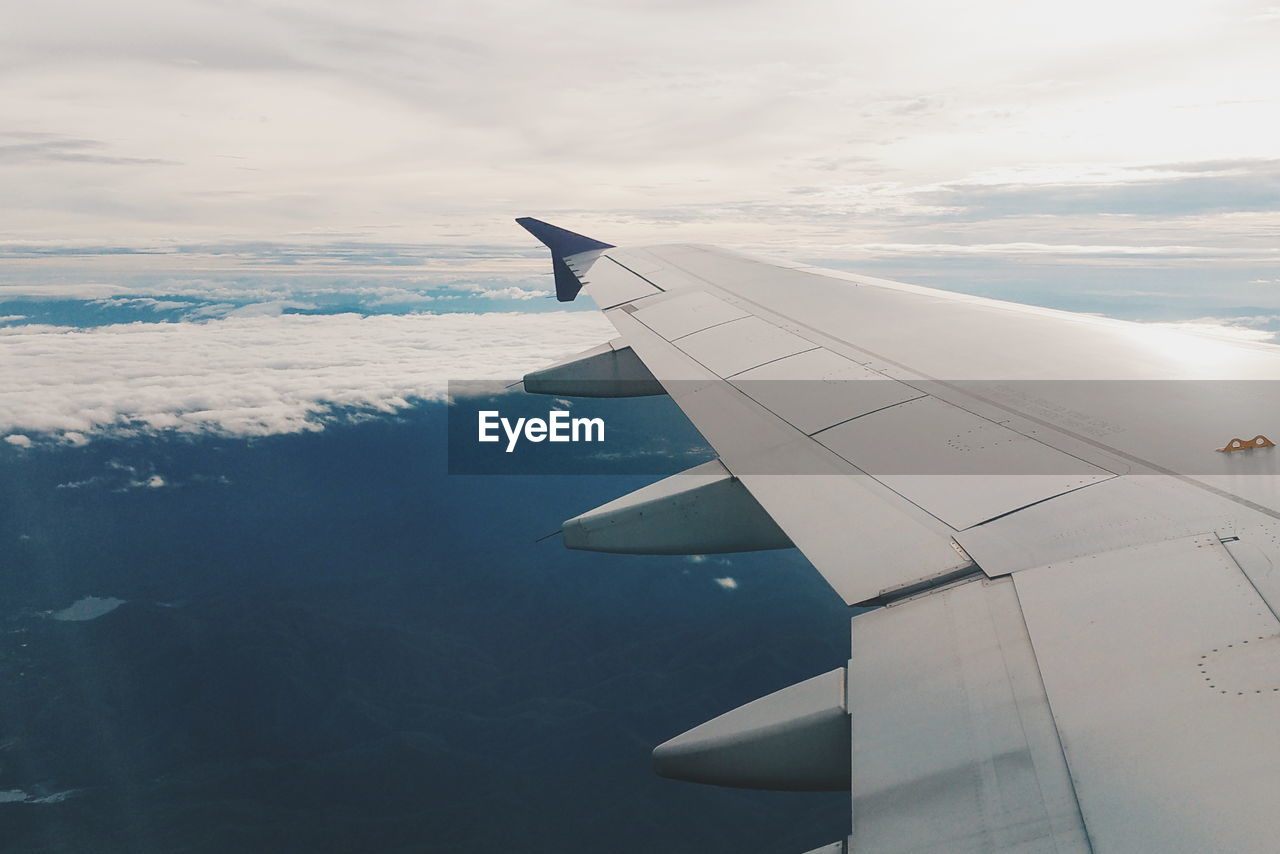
point(704, 510)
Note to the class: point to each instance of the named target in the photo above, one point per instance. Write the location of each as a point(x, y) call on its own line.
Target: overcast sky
point(216, 161)
point(822, 122)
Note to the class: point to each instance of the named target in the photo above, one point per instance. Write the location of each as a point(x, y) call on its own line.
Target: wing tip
point(562, 244)
point(560, 241)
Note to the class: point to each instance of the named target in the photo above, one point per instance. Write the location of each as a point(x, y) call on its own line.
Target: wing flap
point(953, 741)
point(1123, 512)
point(1162, 666)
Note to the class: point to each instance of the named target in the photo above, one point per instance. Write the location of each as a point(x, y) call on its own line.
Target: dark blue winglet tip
point(562, 243)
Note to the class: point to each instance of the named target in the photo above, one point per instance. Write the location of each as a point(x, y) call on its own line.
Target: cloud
point(255, 309)
point(18, 796)
point(52, 148)
point(512, 293)
point(1254, 187)
point(60, 290)
point(728, 582)
point(122, 477)
point(1259, 329)
point(253, 376)
point(88, 608)
point(81, 484)
point(321, 117)
point(141, 302)
point(1043, 249)
point(217, 278)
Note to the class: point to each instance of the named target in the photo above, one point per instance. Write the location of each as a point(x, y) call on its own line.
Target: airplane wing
point(1072, 525)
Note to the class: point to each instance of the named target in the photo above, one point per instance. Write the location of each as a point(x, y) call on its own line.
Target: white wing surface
point(1073, 524)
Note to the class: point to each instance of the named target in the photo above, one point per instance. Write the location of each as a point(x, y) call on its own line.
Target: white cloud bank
point(255, 376)
point(263, 375)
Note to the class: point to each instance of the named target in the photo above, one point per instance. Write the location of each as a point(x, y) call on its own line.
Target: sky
point(213, 162)
point(245, 246)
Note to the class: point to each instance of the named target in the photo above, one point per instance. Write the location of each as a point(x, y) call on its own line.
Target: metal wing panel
point(683, 314)
point(1123, 512)
point(954, 746)
point(863, 538)
point(932, 332)
point(866, 544)
point(959, 467)
point(639, 262)
point(1162, 400)
point(655, 268)
point(1127, 512)
point(739, 345)
point(608, 282)
point(955, 465)
point(819, 389)
point(1162, 666)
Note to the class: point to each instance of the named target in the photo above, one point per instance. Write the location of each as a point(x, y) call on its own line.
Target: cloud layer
point(217, 159)
point(253, 376)
point(272, 118)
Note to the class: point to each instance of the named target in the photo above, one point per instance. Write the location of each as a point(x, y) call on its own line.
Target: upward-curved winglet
point(562, 243)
